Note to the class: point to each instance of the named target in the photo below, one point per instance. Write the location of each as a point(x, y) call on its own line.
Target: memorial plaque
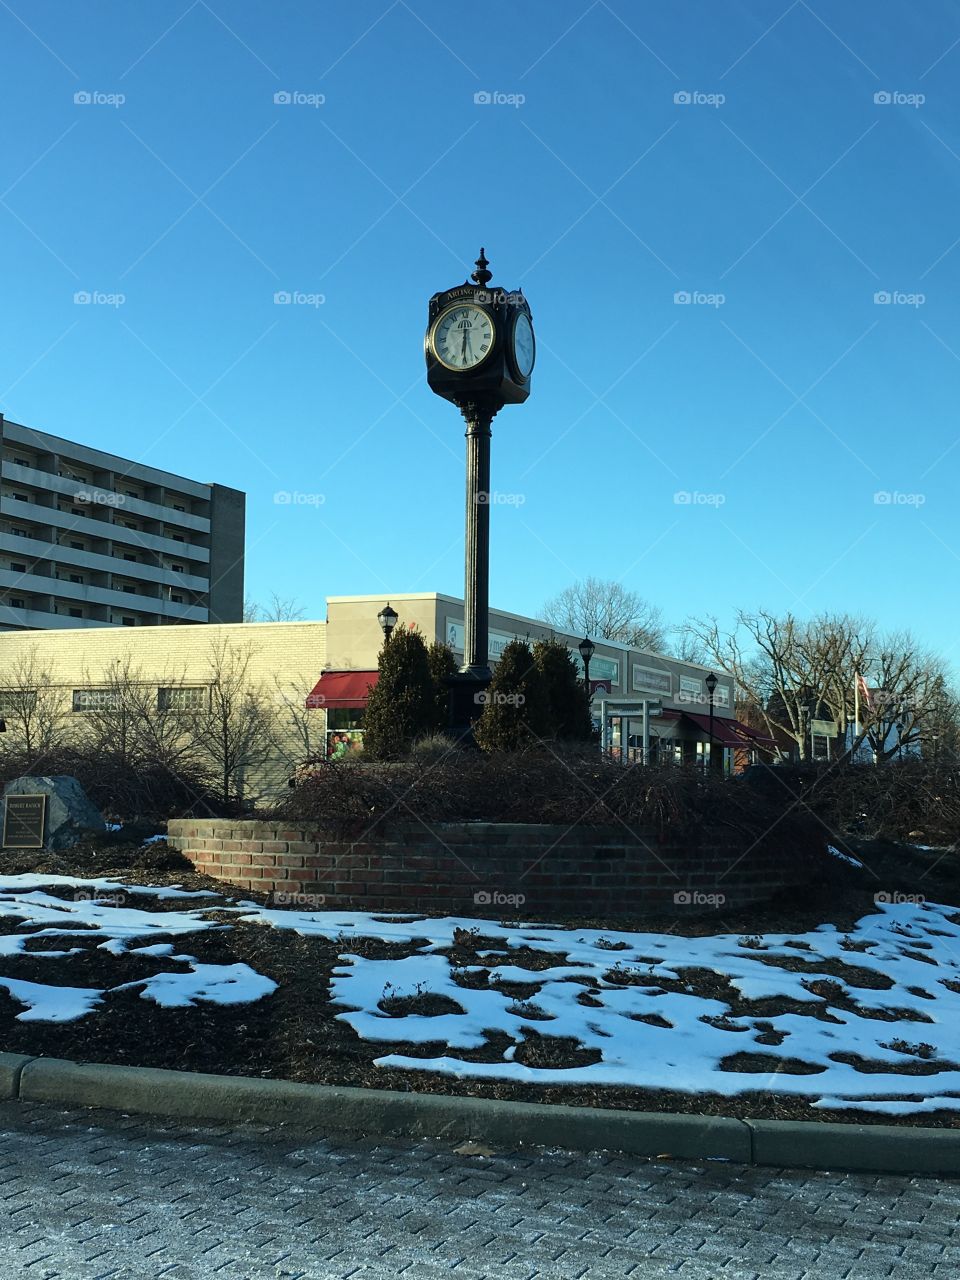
point(24, 821)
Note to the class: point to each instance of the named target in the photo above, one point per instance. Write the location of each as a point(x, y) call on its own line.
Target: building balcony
point(29, 513)
point(30, 549)
point(65, 487)
point(80, 593)
point(37, 620)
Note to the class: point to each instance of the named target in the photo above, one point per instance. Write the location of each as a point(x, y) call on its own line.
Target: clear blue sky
point(797, 198)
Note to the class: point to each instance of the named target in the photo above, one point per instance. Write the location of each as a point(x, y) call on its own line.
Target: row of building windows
point(180, 697)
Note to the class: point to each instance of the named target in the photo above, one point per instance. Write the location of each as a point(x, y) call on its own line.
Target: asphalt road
point(91, 1195)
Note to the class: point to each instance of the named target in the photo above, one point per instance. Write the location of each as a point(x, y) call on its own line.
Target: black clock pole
point(479, 354)
point(476, 586)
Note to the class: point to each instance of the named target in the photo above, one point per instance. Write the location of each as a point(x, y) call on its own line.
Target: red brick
point(301, 874)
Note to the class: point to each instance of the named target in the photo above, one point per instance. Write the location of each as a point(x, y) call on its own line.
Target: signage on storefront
point(651, 680)
point(600, 668)
point(456, 639)
point(690, 689)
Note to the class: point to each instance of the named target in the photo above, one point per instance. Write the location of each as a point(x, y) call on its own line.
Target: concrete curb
point(11, 1067)
point(872, 1148)
point(187, 1095)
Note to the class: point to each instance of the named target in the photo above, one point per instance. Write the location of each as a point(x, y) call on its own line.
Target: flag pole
point(856, 706)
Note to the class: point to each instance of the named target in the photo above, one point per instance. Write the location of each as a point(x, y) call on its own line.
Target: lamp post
point(387, 617)
point(711, 683)
point(587, 649)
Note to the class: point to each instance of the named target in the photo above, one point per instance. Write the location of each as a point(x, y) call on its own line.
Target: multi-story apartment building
point(88, 539)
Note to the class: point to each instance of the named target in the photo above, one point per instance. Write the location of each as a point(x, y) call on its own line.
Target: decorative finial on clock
point(482, 276)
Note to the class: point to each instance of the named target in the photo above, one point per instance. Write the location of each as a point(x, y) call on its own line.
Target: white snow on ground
point(31, 880)
point(218, 983)
point(97, 915)
point(909, 950)
point(844, 857)
point(51, 1004)
point(629, 999)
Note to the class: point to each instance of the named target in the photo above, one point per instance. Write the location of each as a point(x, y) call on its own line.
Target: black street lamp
point(387, 617)
point(587, 649)
point(711, 683)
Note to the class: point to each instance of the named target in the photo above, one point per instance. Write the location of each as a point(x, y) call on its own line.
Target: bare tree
point(607, 611)
point(908, 700)
point(278, 609)
point(36, 719)
point(234, 728)
point(108, 715)
point(788, 671)
point(138, 719)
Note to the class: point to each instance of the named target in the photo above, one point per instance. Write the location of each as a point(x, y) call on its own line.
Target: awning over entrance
point(729, 733)
point(337, 690)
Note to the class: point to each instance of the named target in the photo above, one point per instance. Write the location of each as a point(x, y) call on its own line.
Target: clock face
point(524, 350)
point(462, 337)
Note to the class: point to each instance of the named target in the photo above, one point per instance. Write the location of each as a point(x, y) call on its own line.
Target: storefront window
point(343, 742)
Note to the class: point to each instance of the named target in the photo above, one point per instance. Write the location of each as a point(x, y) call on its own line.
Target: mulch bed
point(294, 1034)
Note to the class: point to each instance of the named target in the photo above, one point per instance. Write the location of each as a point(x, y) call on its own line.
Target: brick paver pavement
point(91, 1195)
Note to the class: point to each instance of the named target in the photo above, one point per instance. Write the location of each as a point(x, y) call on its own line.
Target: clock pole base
point(466, 703)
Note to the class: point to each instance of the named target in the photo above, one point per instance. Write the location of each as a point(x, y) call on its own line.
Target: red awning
point(729, 733)
point(337, 690)
point(756, 736)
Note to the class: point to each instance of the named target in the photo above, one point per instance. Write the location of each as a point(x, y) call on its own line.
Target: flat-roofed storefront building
point(314, 677)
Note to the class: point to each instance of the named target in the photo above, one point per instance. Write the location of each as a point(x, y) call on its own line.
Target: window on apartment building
point(182, 697)
point(23, 462)
point(129, 524)
point(176, 597)
point(17, 602)
point(77, 578)
point(178, 507)
point(177, 568)
point(128, 556)
point(19, 533)
point(75, 613)
point(78, 546)
point(131, 493)
point(22, 497)
point(178, 537)
point(16, 566)
point(96, 700)
point(128, 622)
point(129, 589)
point(77, 511)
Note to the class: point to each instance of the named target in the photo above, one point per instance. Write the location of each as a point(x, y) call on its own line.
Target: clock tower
point(480, 352)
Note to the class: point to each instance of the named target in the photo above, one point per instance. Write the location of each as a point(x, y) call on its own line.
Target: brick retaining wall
point(553, 869)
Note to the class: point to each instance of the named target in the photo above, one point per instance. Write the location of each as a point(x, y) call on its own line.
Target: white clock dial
point(462, 337)
point(524, 350)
